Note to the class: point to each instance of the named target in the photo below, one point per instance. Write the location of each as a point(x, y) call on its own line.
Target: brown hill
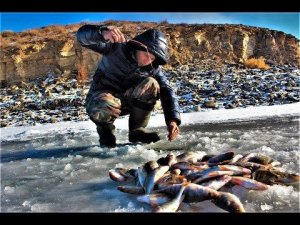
point(54, 49)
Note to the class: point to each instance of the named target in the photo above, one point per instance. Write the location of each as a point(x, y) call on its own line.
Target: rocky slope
point(54, 49)
point(61, 98)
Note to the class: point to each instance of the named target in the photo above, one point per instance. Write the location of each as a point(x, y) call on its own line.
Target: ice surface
point(61, 168)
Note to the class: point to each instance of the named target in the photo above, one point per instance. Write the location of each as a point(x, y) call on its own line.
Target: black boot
point(106, 133)
point(138, 120)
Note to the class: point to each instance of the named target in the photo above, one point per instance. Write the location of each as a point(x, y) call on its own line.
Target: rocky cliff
point(54, 49)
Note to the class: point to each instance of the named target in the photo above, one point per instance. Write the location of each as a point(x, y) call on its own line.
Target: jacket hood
point(156, 43)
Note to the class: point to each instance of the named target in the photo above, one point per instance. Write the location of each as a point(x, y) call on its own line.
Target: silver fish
point(117, 174)
point(206, 158)
point(184, 166)
point(246, 157)
point(153, 177)
point(217, 183)
point(236, 158)
point(229, 202)
point(221, 159)
point(154, 199)
point(132, 173)
point(248, 183)
point(150, 166)
point(170, 178)
point(131, 189)
point(190, 156)
point(193, 192)
point(169, 160)
point(211, 175)
point(174, 204)
point(196, 174)
point(258, 158)
point(290, 180)
point(253, 166)
point(236, 169)
point(275, 176)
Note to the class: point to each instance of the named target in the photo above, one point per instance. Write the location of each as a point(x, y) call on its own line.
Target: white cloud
point(217, 18)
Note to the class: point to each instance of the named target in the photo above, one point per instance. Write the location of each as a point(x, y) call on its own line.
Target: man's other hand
point(113, 35)
point(173, 131)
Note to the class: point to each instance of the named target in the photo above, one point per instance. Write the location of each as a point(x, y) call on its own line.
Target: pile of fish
point(195, 177)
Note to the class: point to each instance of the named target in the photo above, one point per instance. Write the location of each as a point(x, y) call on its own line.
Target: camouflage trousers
point(105, 107)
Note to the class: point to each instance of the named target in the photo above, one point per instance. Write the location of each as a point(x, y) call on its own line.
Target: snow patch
point(68, 167)
point(9, 190)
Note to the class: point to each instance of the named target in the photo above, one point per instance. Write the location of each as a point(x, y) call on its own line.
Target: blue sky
point(286, 22)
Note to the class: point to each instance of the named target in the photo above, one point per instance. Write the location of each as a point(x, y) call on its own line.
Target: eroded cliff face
point(54, 49)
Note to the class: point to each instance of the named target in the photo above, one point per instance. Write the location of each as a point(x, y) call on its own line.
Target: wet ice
point(61, 168)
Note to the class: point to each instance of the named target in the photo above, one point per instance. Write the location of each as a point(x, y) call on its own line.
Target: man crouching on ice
point(129, 80)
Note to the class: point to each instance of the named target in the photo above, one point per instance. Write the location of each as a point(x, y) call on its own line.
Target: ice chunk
point(26, 203)
point(149, 154)
point(45, 207)
point(9, 190)
point(130, 208)
point(66, 160)
point(205, 140)
point(78, 157)
point(267, 149)
point(266, 207)
point(68, 167)
point(119, 165)
point(96, 149)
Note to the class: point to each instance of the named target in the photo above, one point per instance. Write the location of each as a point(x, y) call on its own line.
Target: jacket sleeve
point(90, 36)
point(168, 98)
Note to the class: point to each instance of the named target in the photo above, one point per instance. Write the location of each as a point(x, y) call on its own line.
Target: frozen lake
point(50, 171)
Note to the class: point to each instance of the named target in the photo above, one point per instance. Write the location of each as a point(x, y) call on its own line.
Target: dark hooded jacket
point(118, 70)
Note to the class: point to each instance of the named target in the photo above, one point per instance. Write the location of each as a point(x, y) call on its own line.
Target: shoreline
point(188, 119)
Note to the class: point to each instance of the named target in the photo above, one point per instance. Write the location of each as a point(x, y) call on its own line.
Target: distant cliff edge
point(54, 49)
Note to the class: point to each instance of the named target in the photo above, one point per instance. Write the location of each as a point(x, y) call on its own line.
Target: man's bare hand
point(113, 35)
point(173, 131)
